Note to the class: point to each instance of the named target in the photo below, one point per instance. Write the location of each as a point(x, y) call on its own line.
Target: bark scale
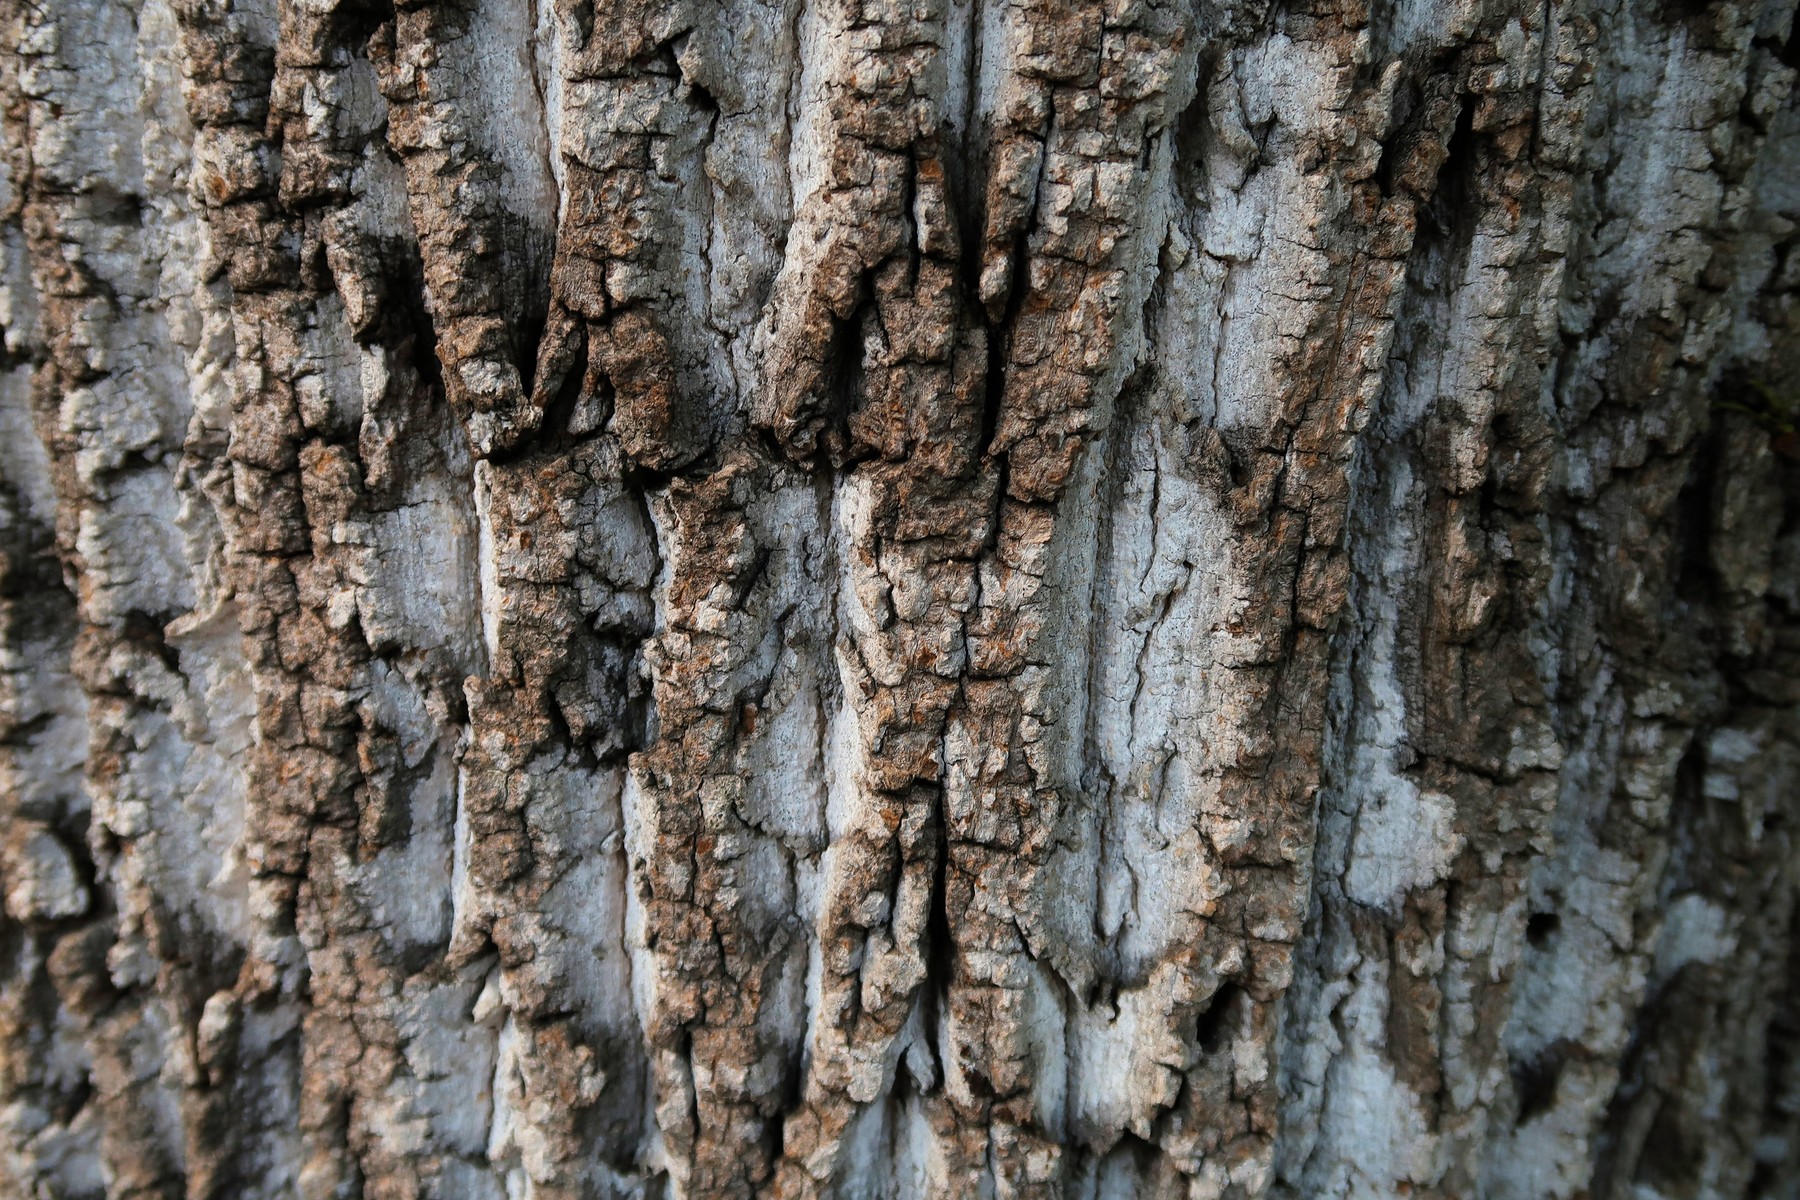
point(1079, 598)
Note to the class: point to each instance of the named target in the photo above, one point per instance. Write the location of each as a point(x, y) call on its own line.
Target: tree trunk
point(1032, 598)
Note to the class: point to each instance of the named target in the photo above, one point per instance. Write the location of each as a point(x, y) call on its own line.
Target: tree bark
point(728, 598)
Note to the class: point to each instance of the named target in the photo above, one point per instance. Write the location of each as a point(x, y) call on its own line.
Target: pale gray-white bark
point(847, 598)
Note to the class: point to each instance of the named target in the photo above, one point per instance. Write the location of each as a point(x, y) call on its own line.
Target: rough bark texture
point(899, 598)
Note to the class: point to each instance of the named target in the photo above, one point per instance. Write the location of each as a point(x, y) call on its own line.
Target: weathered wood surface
point(898, 598)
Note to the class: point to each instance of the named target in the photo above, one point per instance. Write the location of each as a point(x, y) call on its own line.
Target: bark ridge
point(899, 598)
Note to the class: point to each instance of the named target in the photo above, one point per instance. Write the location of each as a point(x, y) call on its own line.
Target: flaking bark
point(738, 598)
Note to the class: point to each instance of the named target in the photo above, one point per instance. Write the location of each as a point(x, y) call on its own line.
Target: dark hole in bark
point(845, 384)
point(1190, 141)
point(1139, 1153)
point(1503, 452)
point(1454, 210)
point(1684, 10)
point(1407, 103)
point(1214, 1024)
point(108, 205)
point(1787, 51)
point(410, 318)
point(940, 950)
point(1535, 1080)
point(561, 409)
point(1541, 927)
point(359, 21)
point(994, 381)
point(528, 328)
point(793, 1090)
point(68, 1105)
point(698, 94)
point(1693, 527)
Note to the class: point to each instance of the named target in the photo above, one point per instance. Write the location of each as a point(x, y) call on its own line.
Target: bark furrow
point(876, 599)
